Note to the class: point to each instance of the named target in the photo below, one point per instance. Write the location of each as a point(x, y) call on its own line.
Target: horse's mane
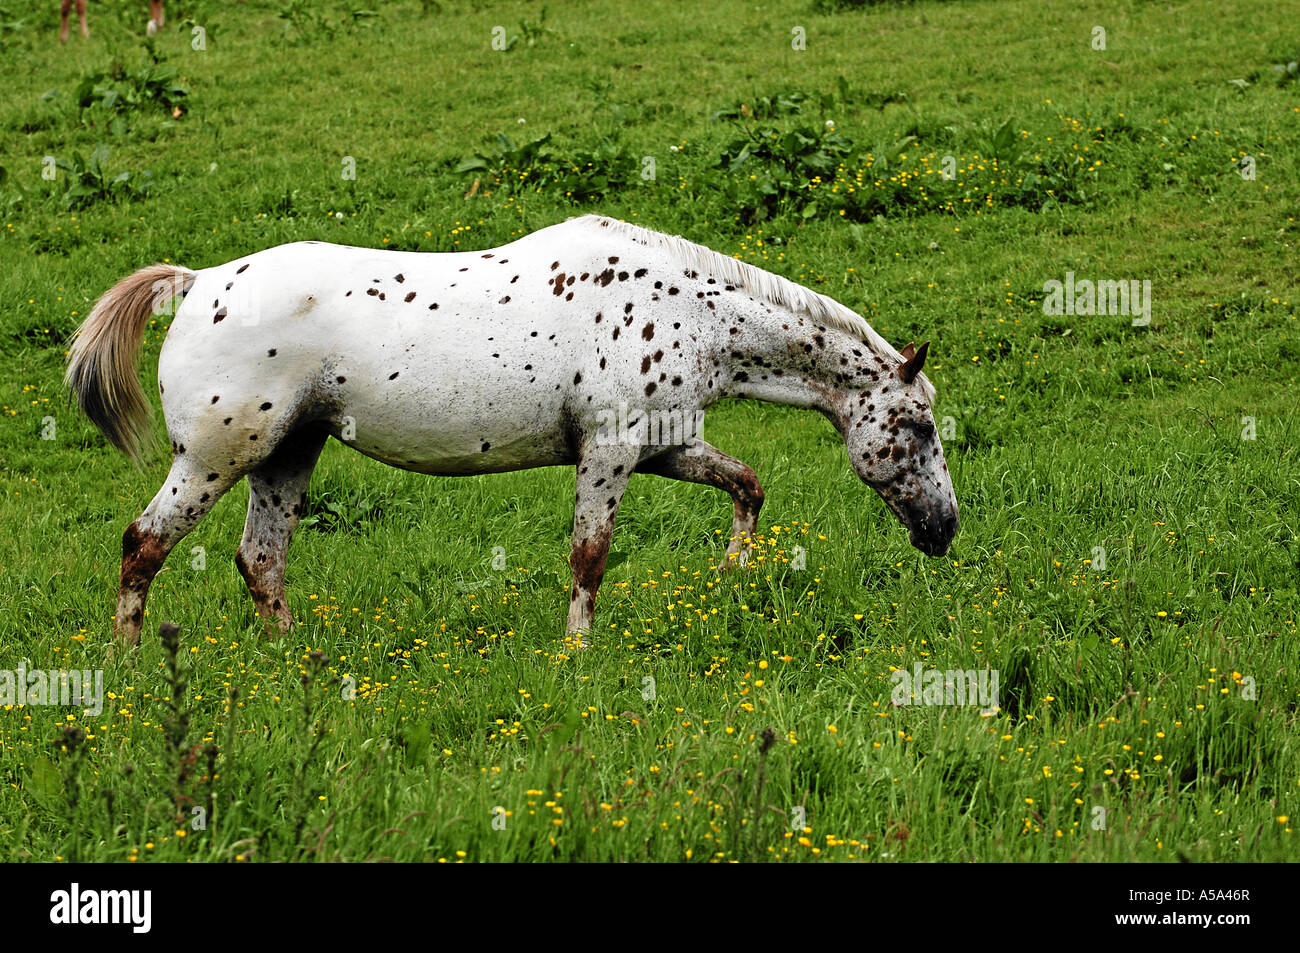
point(762, 284)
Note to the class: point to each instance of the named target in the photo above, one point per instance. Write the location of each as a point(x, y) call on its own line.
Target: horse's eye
point(925, 430)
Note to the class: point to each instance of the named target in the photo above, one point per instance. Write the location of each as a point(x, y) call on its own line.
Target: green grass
point(1124, 688)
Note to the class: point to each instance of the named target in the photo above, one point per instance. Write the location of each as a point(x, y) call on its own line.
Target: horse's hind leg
point(603, 474)
point(189, 493)
point(278, 494)
point(699, 462)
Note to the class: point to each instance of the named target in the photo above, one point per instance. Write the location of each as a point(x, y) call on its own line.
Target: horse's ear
point(909, 352)
point(915, 361)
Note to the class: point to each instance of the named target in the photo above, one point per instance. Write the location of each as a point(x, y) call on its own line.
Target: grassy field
point(1127, 560)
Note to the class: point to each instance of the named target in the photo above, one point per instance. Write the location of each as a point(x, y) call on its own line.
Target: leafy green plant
point(592, 174)
point(776, 168)
point(200, 17)
point(1287, 72)
point(880, 98)
point(1002, 143)
point(810, 172)
point(765, 107)
point(88, 181)
point(108, 98)
point(530, 34)
point(836, 6)
point(794, 102)
point(305, 20)
point(581, 176)
point(308, 22)
point(328, 512)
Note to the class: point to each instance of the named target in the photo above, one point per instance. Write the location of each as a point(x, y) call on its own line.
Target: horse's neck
point(782, 361)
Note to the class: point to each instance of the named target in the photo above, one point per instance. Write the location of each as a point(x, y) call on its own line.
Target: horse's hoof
point(275, 627)
point(124, 648)
point(734, 561)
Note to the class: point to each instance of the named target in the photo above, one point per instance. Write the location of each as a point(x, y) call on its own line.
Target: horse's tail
point(101, 373)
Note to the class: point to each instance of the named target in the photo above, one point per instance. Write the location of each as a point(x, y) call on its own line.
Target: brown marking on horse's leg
point(143, 554)
point(192, 488)
point(700, 462)
point(272, 609)
point(603, 473)
point(587, 561)
point(277, 496)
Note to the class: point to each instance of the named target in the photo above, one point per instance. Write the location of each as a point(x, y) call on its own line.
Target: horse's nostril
point(950, 526)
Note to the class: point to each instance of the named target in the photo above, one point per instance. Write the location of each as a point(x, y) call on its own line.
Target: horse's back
point(432, 357)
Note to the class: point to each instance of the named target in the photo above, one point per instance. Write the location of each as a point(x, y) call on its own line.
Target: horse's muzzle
point(932, 533)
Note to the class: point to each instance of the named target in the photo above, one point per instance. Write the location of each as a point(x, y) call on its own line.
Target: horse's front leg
point(699, 462)
point(603, 473)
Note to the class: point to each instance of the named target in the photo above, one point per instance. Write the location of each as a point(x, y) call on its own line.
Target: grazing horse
point(481, 362)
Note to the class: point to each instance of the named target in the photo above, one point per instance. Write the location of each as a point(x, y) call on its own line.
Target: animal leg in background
point(64, 10)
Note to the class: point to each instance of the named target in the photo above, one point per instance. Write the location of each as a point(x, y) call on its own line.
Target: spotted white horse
point(482, 362)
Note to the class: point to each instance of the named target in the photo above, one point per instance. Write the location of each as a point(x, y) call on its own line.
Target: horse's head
point(894, 447)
